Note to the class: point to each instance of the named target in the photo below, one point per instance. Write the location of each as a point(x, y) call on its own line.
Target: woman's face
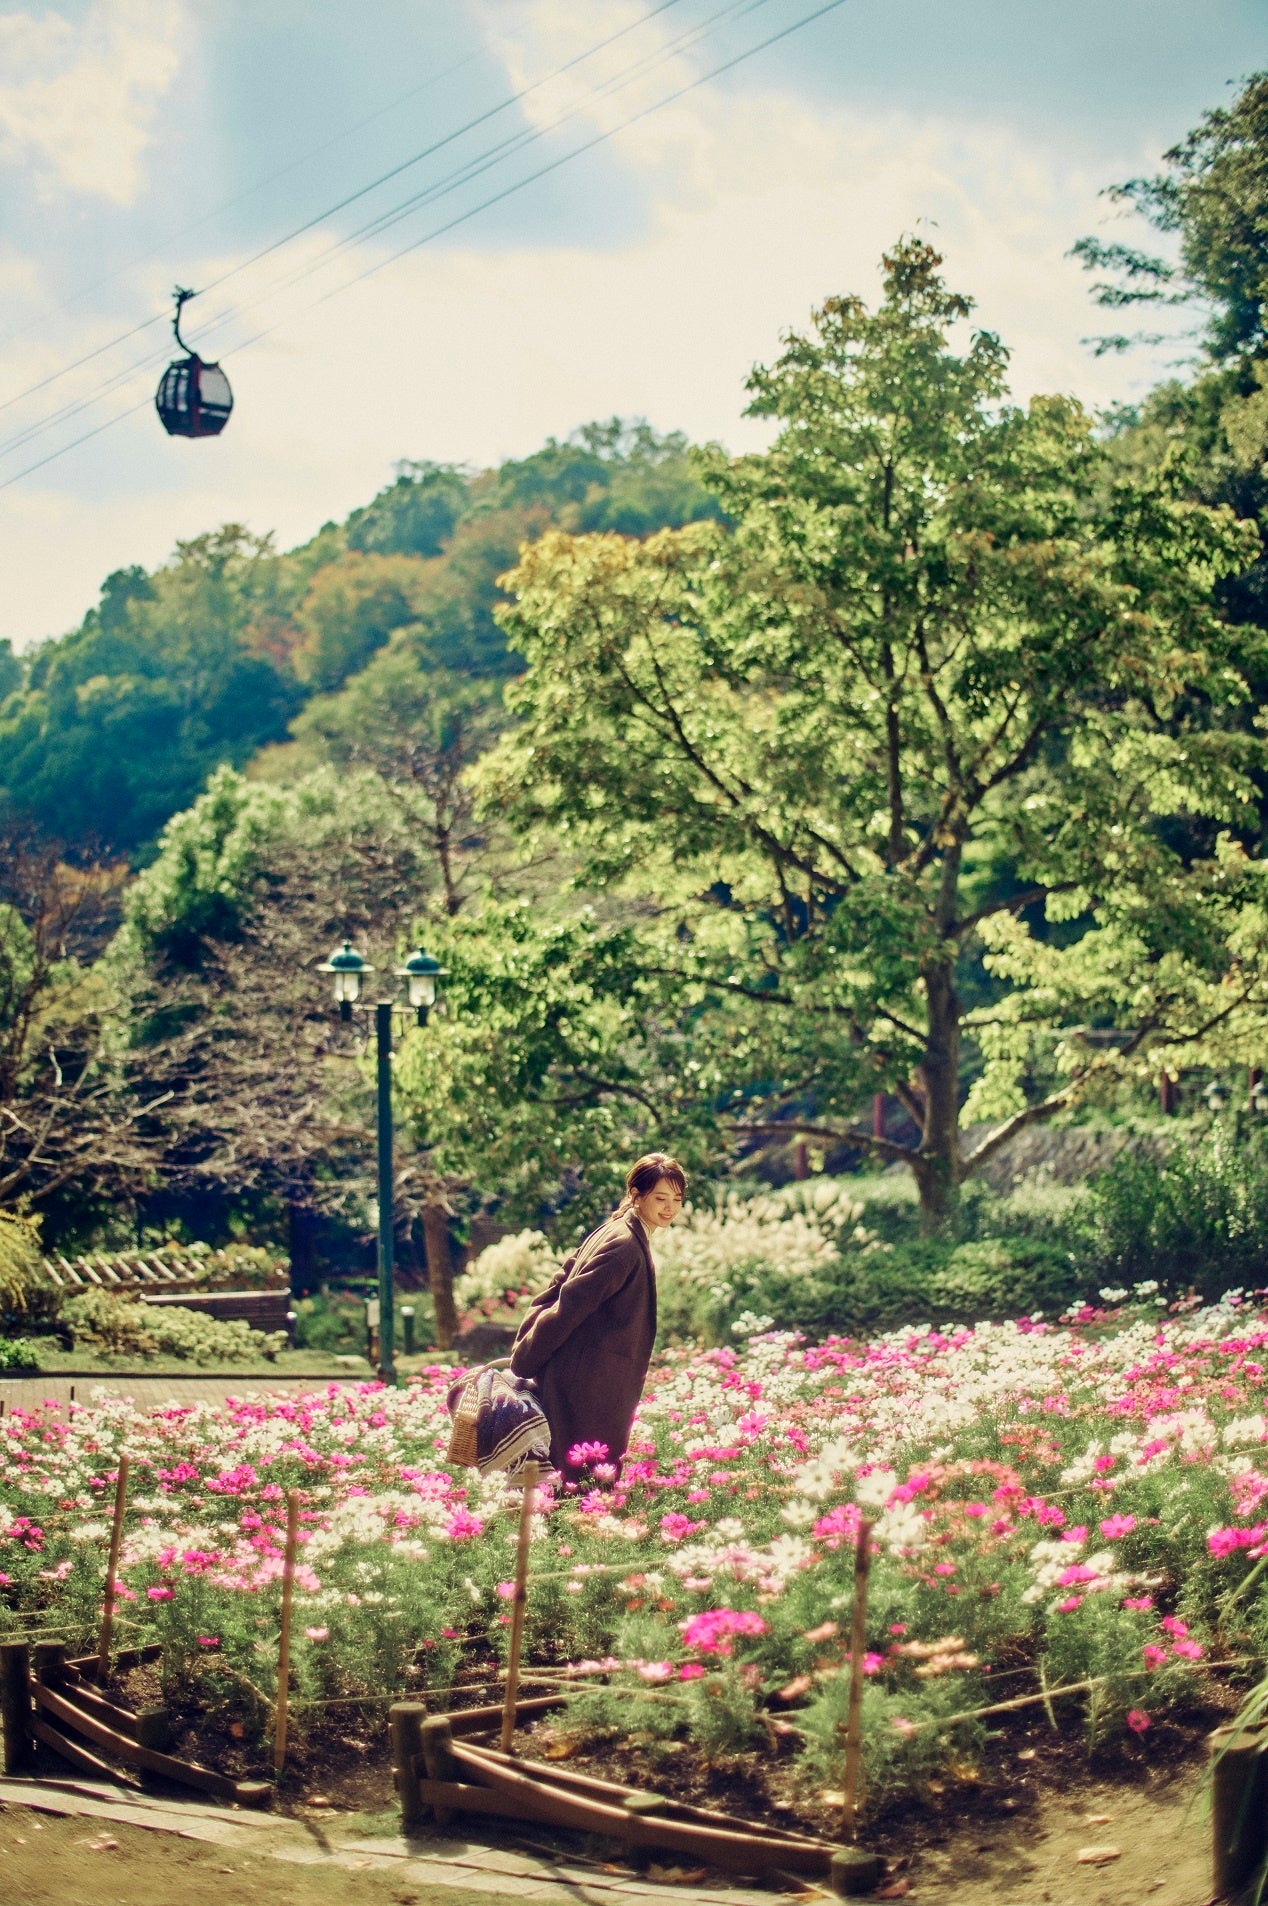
point(659, 1206)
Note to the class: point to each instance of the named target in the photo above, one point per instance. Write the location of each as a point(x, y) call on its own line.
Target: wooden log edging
point(441, 1770)
point(71, 1715)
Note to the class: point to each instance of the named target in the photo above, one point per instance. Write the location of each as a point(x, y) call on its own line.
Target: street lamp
point(347, 969)
point(1259, 1097)
point(1217, 1095)
point(421, 975)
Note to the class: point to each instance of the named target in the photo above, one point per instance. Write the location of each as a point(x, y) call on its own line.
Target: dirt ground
point(49, 1862)
point(1155, 1829)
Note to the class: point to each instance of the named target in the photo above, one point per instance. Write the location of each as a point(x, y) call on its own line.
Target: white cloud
point(81, 97)
point(758, 207)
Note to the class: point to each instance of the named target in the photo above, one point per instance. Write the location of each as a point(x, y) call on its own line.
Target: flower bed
point(1086, 1499)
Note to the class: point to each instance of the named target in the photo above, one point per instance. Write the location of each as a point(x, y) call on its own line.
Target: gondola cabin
point(193, 398)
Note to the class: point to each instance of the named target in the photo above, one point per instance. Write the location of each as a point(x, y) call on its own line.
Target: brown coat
point(588, 1339)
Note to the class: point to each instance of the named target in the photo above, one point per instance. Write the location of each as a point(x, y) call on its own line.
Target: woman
point(587, 1340)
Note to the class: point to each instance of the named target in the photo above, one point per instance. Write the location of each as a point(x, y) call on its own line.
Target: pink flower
point(1114, 1526)
point(159, 1594)
point(710, 1632)
point(462, 1525)
point(1174, 1626)
point(317, 1634)
point(690, 1671)
point(1068, 1606)
point(1191, 1650)
point(1078, 1534)
point(1139, 1602)
point(582, 1453)
point(1154, 1656)
point(506, 1591)
point(209, 1641)
point(1137, 1720)
point(675, 1526)
point(450, 1634)
point(655, 1671)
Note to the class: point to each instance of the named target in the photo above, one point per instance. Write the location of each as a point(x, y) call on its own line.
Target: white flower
point(874, 1491)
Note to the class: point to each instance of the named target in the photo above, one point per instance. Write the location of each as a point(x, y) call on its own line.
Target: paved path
point(28, 1393)
point(315, 1842)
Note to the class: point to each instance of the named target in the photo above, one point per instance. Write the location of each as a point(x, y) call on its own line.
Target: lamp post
point(421, 975)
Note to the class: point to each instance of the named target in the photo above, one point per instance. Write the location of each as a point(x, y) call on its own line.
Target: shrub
point(330, 1321)
point(1196, 1216)
point(125, 1326)
point(499, 1283)
point(26, 1295)
point(18, 1353)
point(803, 1258)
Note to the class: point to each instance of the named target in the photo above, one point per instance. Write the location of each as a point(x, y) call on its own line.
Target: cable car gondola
point(193, 399)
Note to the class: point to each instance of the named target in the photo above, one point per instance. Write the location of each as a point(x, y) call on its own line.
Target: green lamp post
point(421, 976)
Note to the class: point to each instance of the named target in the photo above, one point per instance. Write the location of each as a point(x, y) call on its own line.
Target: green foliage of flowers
point(1080, 1502)
point(122, 1325)
point(18, 1353)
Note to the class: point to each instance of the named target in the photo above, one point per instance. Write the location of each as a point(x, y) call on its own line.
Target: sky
point(698, 193)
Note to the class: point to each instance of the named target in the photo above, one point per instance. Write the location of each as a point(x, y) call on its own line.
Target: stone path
point(316, 1842)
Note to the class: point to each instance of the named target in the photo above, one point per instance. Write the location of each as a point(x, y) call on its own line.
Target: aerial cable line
point(438, 145)
point(738, 59)
point(511, 99)
point(599, 139)
point(260, 185)
point(506, 148)
point(462, 175)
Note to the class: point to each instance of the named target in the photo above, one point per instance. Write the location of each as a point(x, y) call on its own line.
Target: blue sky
point(147, 142)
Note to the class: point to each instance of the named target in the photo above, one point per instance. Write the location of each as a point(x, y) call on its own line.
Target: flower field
point(1083, 1499)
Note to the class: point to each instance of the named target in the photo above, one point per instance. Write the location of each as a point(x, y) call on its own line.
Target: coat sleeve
point(579, 1294)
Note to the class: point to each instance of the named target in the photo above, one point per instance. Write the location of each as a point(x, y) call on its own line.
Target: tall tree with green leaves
point(942, 693)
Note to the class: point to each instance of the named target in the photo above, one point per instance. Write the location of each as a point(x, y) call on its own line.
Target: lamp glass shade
point(422, 976)
point(346, 968)
point(421, 988)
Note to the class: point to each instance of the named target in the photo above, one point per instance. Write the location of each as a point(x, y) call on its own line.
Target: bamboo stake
point(517, 1606)
point(284, 1644)
point(112, 1569)
point(854, 1703)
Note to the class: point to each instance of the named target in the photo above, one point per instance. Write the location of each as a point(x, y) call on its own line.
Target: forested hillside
point(108, 731)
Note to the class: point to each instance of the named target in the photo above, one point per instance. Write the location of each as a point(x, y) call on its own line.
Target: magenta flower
point(711, 1631)
point(1137, 1720)
point(1114, 1526)
point(582, 1453)
point(159, 1594)
point(675, 1526)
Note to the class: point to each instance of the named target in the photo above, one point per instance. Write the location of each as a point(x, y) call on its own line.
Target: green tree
point(943, 689)
point(551, 1065)
point(1211, 200)
point(352, 606)
point(69, 1135)
point(121, 721)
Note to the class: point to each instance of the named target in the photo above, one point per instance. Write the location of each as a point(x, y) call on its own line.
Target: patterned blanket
point(498, 1422)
